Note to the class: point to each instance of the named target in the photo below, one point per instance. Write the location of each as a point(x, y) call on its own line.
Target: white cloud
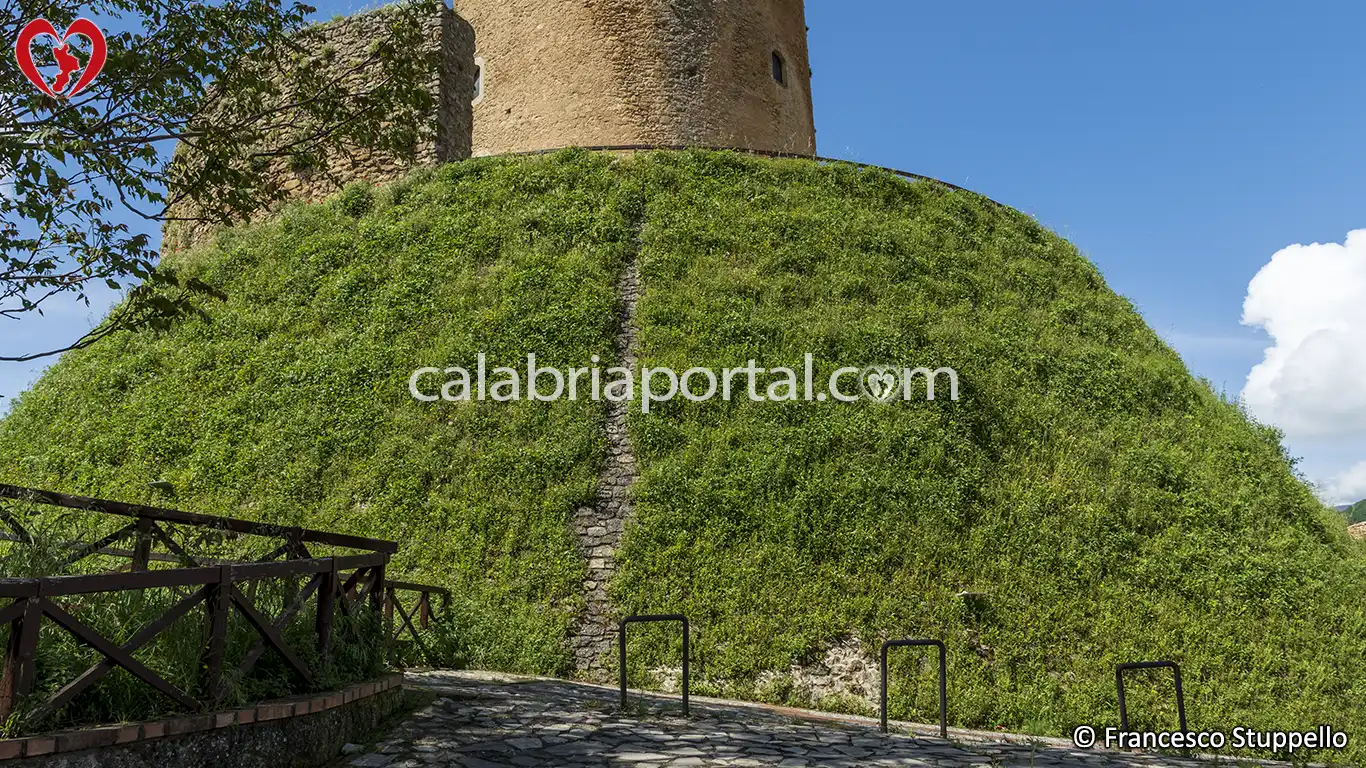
point(1311, 300)
point(1347, 488)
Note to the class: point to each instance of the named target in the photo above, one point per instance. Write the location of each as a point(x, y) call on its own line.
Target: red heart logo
point(83, 27)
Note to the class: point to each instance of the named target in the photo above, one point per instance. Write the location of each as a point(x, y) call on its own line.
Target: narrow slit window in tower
point(779, 69)
point(478, 80)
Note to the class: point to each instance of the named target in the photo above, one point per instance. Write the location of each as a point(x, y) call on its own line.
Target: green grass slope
point(290, 402)
point(1106, 506)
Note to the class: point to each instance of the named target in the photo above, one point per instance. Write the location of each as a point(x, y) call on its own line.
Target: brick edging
point(111, 735)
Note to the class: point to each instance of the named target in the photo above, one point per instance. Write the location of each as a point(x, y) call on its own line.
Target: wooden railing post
point(377, 587)
point(142, 544)
point(424, 610)
point(390, 597)
point(327, 603)
point(19, 657)
point(216, 607)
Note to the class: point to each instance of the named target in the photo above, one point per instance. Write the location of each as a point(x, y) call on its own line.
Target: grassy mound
point(1084, 502)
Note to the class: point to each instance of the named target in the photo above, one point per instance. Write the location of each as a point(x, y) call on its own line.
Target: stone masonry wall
point(300, 731)
point(444, 134)
point(613, 72)
point(559, 73)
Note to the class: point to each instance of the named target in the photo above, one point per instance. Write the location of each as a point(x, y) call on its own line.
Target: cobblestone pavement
point(483, 720)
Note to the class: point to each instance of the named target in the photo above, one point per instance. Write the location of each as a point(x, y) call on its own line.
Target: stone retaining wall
point(444, 130)
point(288, 732)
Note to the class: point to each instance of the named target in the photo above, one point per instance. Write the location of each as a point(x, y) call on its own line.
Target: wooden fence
point(222, 588)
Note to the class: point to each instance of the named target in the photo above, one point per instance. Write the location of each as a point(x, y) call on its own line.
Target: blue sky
point(1179, 145)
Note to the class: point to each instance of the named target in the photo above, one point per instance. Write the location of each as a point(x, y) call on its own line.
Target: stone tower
point(523, 75)
point(556, 73)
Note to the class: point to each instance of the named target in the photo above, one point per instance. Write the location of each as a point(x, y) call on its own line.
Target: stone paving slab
point(487, 720)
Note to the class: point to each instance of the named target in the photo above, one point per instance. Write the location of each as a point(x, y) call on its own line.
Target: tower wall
point(447, 55)
point(558, 73)
point(597, 72)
